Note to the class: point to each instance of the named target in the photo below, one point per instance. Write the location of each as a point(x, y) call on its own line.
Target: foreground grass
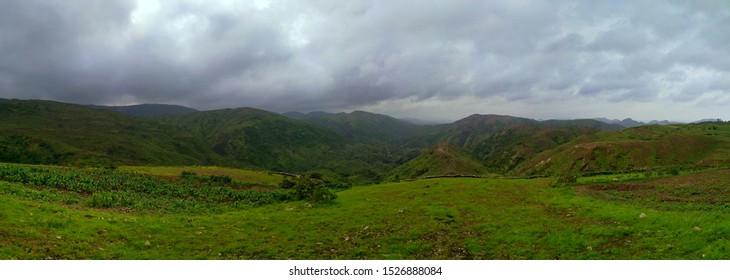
point(426, 219)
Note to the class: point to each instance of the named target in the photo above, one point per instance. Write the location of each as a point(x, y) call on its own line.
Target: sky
point(431, 60)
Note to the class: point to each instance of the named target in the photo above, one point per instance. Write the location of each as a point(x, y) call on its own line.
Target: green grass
point(426, 219)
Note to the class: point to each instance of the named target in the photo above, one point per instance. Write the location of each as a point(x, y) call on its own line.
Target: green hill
point(505, 149)
point(638, 148)
point(365, 127)
point(257, 138)
point(474, 129)
point(441, 160)
point(47, 132)
point(148, 110)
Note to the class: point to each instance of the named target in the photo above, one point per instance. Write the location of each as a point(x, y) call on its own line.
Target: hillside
point(638, 148)
point(256, 138)
point(47, 132)
point(442, 159)
point(507, 148)
point(148, 110)
point(473, 129)
point(365, 127)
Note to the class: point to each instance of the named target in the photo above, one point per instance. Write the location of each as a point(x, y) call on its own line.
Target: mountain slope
point(363, 127)
point(507, 148)
point(638, 148)
point(442, 159)
point(47, 132)
point(148, 110)
point(469, 131)
point(254, 137)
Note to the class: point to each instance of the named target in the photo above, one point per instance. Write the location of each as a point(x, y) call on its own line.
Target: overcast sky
point(434, 60)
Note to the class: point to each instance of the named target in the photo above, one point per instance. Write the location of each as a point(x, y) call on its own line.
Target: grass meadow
point(670, 217)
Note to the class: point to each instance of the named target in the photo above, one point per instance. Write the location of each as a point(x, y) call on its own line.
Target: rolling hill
point(444, 159)
point(507, 148)
point(47, 132)
point(365, 127)
point(639, 148)
point(256, 138)
point(148, 110)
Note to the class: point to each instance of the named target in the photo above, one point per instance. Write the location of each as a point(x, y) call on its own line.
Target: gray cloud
point(344, 55)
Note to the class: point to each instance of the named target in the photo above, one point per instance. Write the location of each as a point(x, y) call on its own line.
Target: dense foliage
point(104, 188)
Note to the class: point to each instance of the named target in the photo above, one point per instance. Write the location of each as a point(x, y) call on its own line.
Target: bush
point(225, 179)
point(323, 195)
point(312, 189)
point(287, 184)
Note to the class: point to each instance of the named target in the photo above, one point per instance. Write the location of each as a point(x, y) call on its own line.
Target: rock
point(642, 215)
point(696, 228)
point(147, 243)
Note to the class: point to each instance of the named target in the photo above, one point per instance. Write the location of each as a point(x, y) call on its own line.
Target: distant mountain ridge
point(364, 126)
point(49, 132)
point(148, 110)
point(358, 146)
point(628, 122)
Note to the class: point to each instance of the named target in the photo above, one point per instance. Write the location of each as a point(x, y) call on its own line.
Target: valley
point(80, 182)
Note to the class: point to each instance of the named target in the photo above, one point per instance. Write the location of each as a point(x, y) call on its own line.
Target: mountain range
point(359, 146)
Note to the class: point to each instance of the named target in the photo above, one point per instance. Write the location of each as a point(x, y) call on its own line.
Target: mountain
point(507, 148)
point(364, 127)
point(707, 120)
point(48, 132)
point(442, 159)
point(359, 146)
point(627, 123)
point(583, 123)
point(637, 148)
point(148, 110)
point(258, 138)
point(474, 129)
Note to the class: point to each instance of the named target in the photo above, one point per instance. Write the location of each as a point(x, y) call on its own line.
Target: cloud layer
point(432, 59)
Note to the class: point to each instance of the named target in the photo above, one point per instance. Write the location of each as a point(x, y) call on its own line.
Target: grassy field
point(450, 218)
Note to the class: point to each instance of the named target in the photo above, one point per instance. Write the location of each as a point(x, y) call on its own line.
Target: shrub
point(312, 189)
point(323, 195)
point(225, 179)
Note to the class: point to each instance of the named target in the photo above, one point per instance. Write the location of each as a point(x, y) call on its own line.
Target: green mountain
point(639, 148)
point(583, 123)
point(507, 148)
point(364, 127)
point(359, 146)
point(442, 159)
point(469, 131)
point(47, 132)
point(257, 138)
point(148, 110)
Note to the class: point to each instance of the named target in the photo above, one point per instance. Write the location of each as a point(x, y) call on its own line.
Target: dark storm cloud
point(339, 55)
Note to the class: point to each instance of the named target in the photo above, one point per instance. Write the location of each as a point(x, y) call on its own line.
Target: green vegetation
point(449, 218)
point(443, 159)
point(504, 150)
point(645, 148)
point(46, 132)
point(131, 188)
